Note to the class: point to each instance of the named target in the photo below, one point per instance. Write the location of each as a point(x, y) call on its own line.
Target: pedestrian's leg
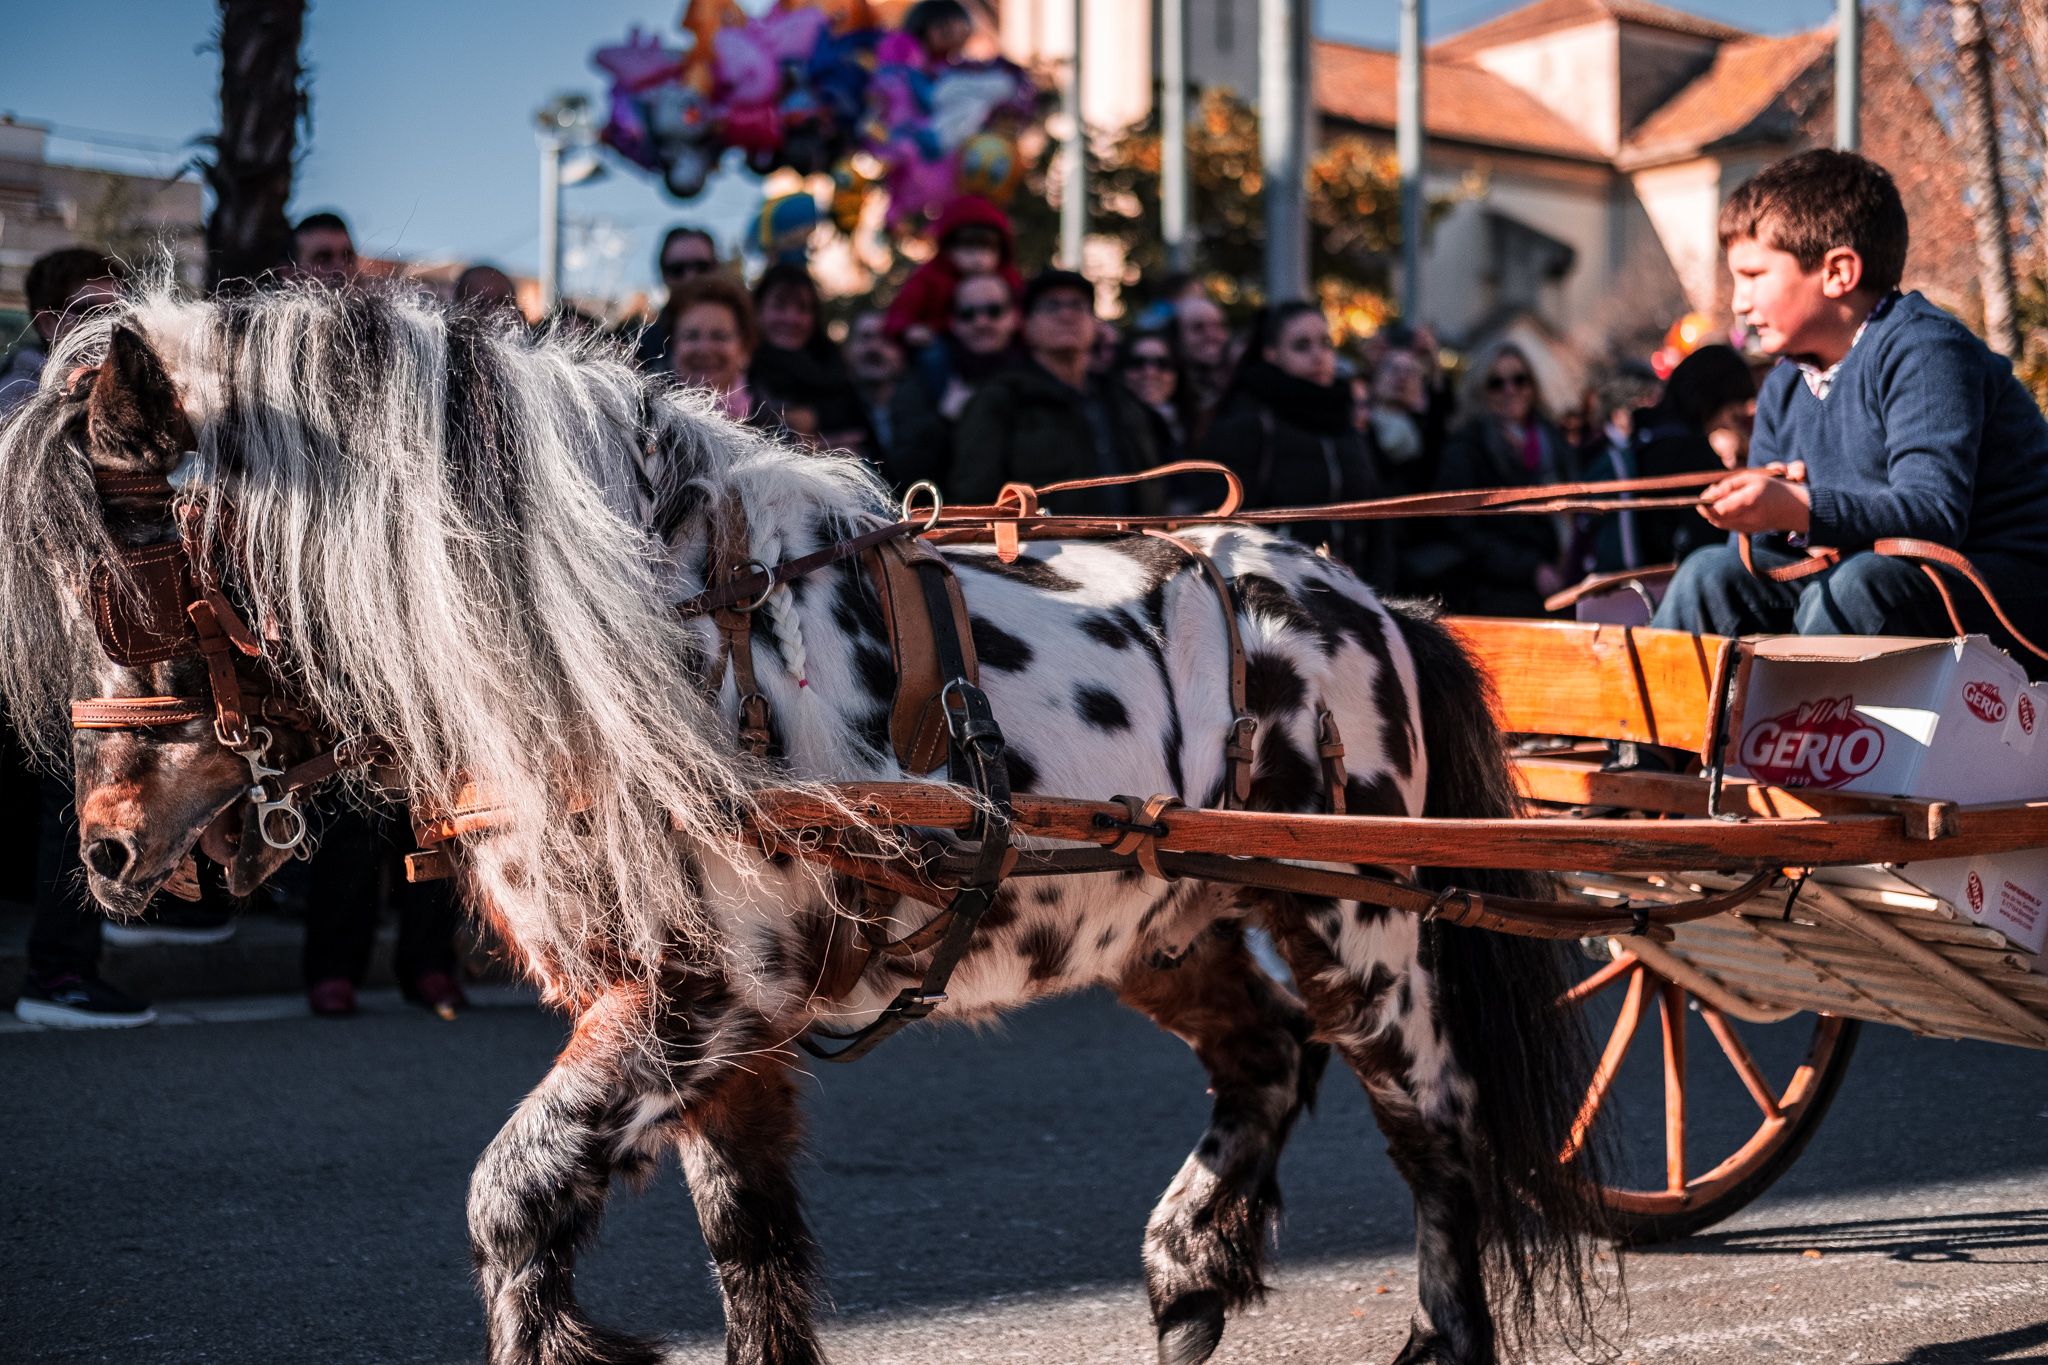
point(64, 937)
point(1871, 594)
point(1714, 594)
point(341, 913)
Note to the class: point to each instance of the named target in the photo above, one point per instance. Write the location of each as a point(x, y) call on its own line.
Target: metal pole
point(1074, 197)
point(1173, 132)
point(1281, 138)
point(1408, 151)
point(550, 219)
point(1848, 75)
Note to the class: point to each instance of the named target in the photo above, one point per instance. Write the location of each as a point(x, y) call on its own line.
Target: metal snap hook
point(907, 510)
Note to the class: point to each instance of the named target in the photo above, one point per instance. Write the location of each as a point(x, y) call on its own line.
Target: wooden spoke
point(1739, 1058)
point(1610, 1063)
point(1598, 981)
point(1671, 1001)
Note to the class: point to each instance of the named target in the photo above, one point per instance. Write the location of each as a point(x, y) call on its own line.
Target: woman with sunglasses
point(1285, 428)
point(1504, 566)
point(1150, 364)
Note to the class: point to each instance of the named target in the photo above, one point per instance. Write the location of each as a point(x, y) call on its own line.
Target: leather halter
point(166, 603)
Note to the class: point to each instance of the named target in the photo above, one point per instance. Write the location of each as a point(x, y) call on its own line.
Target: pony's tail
point(1529, 1059)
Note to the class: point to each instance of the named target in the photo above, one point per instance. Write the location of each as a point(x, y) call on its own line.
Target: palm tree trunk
point(262, 101)
point(1978, 118)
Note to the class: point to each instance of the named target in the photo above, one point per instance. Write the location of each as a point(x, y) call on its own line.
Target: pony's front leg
point(538, 1194)
point(1206, 1239)
point(738, 1153)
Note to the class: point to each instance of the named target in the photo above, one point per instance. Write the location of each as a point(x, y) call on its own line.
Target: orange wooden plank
point(1603, 682)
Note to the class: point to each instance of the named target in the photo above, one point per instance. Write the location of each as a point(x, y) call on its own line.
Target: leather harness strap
point(1330, 750)
point(1239, 752)
point(1928, 555)
point(730, 564)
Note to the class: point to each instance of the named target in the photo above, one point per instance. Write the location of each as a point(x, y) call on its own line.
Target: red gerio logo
point(1816, 744)
point(1983, 699)
point(2026, 706)
point(1974, 889)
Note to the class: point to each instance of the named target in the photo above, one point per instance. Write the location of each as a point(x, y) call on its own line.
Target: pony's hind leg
point(1374, 1002)
point(1205, 1241)
point(737, 1154)
point(538, 1193)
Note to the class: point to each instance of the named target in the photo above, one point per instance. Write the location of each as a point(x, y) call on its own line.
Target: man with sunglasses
point(1050, 419)
point(686, 254)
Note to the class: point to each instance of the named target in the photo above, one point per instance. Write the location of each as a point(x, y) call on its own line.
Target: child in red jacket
point(974, 238)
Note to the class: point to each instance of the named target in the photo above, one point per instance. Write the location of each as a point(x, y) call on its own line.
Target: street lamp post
point(1408, 151)
point(561, 124)
point(1283, 135)
point(1848, 75)
point(1074, 195)
point(1173, 132)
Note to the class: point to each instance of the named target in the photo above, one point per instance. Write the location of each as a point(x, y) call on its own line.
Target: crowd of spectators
point(971, 375)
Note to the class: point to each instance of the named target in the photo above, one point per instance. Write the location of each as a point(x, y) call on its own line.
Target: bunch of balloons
point(805, 86)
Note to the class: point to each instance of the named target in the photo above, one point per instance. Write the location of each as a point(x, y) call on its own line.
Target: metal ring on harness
point(755, 566)
point(907, 509)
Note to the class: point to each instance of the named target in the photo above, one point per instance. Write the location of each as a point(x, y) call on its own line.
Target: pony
point(470, 543)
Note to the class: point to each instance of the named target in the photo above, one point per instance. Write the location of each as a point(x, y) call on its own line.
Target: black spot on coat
point(997, 648)
point(1101, 708)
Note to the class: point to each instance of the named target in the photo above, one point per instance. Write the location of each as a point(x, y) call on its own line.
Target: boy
point(1888, 415)
point(973, 238)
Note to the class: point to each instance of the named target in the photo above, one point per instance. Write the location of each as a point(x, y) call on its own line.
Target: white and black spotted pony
point(469, 544)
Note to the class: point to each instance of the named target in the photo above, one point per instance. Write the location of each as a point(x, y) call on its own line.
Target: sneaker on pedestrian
point(437, 991)
point(69, 1000)
point(332, 998)
point(172, 921)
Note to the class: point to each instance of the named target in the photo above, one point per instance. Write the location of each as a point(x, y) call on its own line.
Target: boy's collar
point(1819, 380)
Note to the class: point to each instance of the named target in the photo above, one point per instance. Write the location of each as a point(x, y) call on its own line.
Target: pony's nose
point(109, 857)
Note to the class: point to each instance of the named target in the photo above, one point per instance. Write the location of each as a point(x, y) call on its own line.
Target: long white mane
point(468, 543)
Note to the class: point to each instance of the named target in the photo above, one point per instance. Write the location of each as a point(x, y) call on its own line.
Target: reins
point(183, 611)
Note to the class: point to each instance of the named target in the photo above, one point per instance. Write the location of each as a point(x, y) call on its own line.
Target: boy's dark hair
point(56, 275)
point(926, 15)
point(324, 221)
point(1808, 204)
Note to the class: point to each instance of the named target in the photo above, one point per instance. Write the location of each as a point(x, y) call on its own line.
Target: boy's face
point(1794, 310)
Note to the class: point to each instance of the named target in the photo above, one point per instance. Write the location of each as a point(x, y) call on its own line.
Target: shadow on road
point(1982, 1350)
point(1928, 1238)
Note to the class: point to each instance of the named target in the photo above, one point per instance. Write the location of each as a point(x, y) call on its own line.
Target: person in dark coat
point(797, 366)
point(1285, 427)
point(1505, 565)
point(911, 440)
point(1710, 396)
point(1048, 420)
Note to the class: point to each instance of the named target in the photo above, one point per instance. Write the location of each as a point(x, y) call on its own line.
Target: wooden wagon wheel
point(1790, 1098)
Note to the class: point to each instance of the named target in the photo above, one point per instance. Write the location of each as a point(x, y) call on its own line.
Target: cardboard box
point(1951, 720)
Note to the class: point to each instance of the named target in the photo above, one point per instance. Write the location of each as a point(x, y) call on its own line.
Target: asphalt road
point(268, 1188)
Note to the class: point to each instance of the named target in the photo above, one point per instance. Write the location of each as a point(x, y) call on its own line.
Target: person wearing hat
point(1049, 419)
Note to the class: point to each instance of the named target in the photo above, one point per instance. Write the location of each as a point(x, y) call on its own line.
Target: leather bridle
point(163, 602)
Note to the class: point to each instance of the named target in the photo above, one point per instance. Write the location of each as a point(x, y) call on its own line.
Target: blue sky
point(421, 131)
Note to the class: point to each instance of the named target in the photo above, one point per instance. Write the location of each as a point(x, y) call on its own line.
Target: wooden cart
point(1766, 1000)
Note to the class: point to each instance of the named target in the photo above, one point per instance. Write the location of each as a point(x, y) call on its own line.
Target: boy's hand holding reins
point(1752, 501)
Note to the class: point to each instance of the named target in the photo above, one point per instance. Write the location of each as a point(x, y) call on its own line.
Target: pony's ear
point(134, 421)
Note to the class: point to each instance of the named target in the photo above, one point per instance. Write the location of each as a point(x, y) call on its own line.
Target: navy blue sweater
point(1925, 432)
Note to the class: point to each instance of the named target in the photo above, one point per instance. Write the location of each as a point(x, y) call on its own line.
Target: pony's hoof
point(1190, 1327)
point(1425, 1347)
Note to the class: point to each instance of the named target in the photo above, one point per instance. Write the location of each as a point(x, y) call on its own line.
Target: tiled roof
point(1746, 79)
point(1459, 102)
point(1546, 16)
